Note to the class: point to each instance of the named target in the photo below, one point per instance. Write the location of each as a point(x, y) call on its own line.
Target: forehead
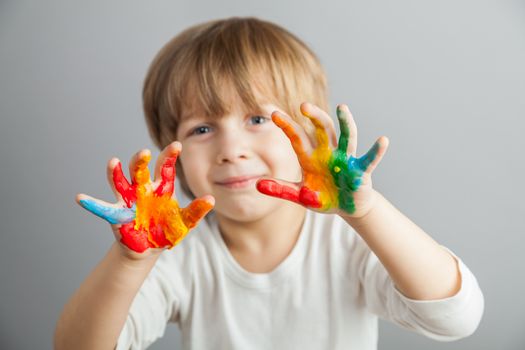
point(203, 105)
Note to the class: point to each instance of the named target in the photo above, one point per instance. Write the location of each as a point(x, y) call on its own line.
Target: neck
point(259, 246)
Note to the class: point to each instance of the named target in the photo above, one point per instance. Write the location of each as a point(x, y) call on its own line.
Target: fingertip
point(343, 107)
point(113, 162)
point(141, 154)
point(266, 186)
point(79, 197)
point(259, 182)
point(145, 153)
point(82, 200)
point(210, 199)
point(339, 111)
point(385, 141)
point(141, 160)
point(305, 107)
point(277, 118)
point(174, 147)
point(260, 185)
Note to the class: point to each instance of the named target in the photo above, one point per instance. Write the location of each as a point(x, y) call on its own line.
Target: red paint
point(156, 211)
point(304, 196)
point(134, 240)
point(275, 189)
point(167, 174)
point(309, 198)
point(157, 235)
point(126, 190)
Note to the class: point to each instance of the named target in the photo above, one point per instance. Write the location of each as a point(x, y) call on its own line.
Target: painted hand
point(334, 180)
point(145, 215)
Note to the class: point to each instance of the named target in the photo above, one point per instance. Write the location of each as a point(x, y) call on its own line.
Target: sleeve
point(154, 306)
point(445, 319)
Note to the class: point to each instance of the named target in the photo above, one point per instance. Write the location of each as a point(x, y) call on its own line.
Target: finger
point(280, 189)
point(324, 125)
point(309, 198)
point(348, 136)
point(109, 212)
point(299, 141)
point(290, 191)
point(123, 190)
point(196, 210)
point(165, 169)
point(138, 167)
point(371, 159)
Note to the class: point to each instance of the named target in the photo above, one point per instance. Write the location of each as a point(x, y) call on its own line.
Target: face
point(225, 156)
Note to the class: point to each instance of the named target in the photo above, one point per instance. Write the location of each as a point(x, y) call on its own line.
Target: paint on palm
point(151, 218)
point(330, 177)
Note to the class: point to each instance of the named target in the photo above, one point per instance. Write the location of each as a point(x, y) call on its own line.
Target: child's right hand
point(145, 217)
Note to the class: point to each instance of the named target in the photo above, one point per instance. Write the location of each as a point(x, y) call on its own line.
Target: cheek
point(194, 170)
point(284, 157)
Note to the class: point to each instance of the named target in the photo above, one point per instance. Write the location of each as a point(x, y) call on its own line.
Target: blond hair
point(253, 56)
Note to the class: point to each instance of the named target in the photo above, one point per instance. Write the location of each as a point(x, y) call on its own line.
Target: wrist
point(133, 260)
point(363, 215)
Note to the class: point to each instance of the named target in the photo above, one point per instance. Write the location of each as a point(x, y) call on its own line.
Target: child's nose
point(231, 148)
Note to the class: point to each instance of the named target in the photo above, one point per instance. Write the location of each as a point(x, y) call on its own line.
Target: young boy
point(300, 252)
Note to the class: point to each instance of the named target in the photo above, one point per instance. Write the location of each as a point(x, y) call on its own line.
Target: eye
point(258, 119)
point(199, 130)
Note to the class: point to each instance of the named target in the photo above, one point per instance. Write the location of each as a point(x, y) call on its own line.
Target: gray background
point(444, 80)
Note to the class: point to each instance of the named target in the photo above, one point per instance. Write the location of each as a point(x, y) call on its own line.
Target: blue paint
point(112, 215)
point(362, 163)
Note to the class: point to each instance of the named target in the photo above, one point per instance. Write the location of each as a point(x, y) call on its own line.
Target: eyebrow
point(192, 117)
point(188, 117)
point(181, 127)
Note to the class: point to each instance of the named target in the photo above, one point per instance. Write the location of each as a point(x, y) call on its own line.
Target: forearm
point(94, 316)
point(420, 268)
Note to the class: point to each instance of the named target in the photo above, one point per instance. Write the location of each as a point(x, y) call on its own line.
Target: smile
point(239, 182)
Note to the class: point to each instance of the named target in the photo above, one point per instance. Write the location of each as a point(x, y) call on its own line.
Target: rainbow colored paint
point(150, 218)
point(330, 176)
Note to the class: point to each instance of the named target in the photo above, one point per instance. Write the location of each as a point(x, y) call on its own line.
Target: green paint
point(347, 173)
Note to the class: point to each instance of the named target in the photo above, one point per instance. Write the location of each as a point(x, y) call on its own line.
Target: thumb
point(196, 210)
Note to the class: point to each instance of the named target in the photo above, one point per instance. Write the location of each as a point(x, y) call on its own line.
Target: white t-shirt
point(327, 294)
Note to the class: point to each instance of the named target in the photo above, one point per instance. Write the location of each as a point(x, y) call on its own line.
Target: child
point(300, 252)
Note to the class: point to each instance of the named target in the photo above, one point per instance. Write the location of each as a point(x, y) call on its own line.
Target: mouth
point(239, 181)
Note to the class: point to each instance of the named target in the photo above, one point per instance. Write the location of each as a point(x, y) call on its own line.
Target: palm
point(334, 179)
point(147, 215)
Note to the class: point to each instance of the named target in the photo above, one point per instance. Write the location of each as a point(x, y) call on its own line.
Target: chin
point(248, 211)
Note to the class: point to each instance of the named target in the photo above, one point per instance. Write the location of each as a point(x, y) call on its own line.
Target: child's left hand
point(334, 180)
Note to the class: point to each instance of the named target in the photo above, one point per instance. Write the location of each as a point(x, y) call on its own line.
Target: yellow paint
point(163, 210)
point(317, 176)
